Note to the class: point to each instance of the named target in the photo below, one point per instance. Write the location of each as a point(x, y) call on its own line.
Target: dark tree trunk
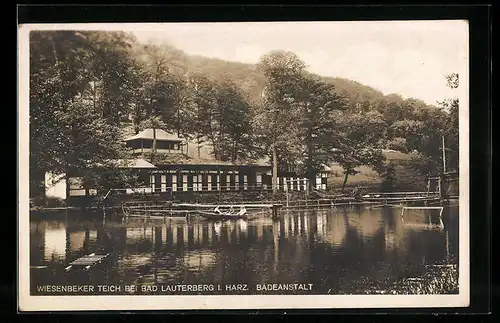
point(275, 168)
point(346, 175)
point(234, 155)
point(154, 140)
point(199, 147)
point(311, 176)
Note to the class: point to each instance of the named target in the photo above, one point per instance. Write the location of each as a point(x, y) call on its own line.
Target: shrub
point(47, 201)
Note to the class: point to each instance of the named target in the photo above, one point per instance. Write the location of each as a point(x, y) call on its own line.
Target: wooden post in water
point(286, 192)
point(307, 191)
point(275, 169)
point(274, 209)
point(444, 156)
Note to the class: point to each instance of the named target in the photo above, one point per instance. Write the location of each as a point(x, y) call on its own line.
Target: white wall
point(55, 185)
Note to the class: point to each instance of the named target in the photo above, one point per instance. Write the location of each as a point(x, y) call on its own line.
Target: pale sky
point(405, 57)
point(408, 57)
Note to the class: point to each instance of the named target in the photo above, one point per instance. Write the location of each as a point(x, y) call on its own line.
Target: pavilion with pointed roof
point(154, 139)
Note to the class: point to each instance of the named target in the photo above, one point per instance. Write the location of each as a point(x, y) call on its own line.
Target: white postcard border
point(27, 302)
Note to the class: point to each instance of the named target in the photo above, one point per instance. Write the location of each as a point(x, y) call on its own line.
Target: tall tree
point(359, 143)
point(234, 138)
point(451, 125)
point(162, 70)
point(201, 100)
point(317, 104)
point(153, 123)
point(282, 70)
point(70, 129)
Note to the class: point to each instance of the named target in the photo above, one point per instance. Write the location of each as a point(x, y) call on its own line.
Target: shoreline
point(313, 203)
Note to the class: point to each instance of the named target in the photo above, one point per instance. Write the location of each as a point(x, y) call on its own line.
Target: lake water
point(338, 251)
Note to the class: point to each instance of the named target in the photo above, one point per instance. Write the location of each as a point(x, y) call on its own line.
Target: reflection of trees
point(77, 240)
point(367, 222)
point(37, 241)
point(321, 246)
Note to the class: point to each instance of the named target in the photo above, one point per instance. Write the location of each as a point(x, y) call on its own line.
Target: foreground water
point(342, 251)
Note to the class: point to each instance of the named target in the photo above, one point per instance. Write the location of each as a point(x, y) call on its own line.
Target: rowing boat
point(221, 216)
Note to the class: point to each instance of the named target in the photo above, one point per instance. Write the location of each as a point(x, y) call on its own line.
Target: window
point(209, 182)
point(76, 187)
point(75, 183)
point(184, 182)
point(163, 183)
point(197, 182)
point(236, 180)
point(258, 180)
point(174, 182)
point(324, 179)
point(228, 182)
point(321, 181)
point(152, 182)
point(187, 182)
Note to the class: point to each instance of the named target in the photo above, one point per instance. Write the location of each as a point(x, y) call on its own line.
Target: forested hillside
point(86, 87)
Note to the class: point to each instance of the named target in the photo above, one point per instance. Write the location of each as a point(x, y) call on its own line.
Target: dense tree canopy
point(86, 87)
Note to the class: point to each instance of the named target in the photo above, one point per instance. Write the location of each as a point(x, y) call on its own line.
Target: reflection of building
point(137, 234)
point(321, 224)
point(243, 226)
point(331, 228)
point(336, 230)
point(55, 243)
point(390, 240)
point(260, 231)
point(198, 260)
point(394, 232)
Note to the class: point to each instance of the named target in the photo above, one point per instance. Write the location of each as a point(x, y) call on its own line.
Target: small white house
point(57, 186)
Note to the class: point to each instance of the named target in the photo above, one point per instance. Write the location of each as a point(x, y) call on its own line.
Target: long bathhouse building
point(172, 171)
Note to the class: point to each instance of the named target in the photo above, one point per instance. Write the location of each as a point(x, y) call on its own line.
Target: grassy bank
point(406, 179)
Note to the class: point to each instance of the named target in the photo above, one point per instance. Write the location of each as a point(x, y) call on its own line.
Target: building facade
point(162, 167)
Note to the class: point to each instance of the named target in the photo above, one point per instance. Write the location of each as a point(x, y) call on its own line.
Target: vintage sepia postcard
point(266, 165)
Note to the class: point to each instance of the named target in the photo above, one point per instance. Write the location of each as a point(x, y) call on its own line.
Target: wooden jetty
point(86, 262)
point(401, 197)
point(187, 209)
point(155, 208)
point(428, 225)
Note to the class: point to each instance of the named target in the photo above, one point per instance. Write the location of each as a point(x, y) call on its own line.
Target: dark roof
point(181, 159)
point(160, 135)
point(127, 163)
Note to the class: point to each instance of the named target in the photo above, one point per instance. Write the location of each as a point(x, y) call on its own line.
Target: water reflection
point(54, 242)
point(330, 248)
